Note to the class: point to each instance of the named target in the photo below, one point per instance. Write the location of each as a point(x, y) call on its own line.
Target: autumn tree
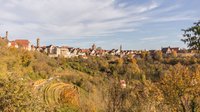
point(174, 54)
point(132, 70)
point(158, 55)
point(17, 94)
point(117, 97)
point(192, 36)
point(138, 96)
point(3, 43)
point(180, 86)
point(144, 96)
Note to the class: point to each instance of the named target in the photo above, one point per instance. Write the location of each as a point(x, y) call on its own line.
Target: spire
point(38, 42)
point(6, 34)
point(93, 47)
point(120, 48)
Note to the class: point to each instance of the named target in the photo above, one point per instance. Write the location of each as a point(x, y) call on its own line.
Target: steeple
point(6, 35)
point(38, 42)
point(120, 48)
point(94, 47)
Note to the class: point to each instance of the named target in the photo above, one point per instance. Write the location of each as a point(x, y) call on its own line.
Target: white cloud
point(153, 38)
point(69, 18)
point(60, 19)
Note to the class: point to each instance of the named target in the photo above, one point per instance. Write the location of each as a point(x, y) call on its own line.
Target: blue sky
point(134, 24)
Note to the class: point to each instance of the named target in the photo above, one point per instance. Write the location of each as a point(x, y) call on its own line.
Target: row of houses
point(68, 52)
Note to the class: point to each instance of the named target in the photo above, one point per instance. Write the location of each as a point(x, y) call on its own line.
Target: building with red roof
point(24, 44)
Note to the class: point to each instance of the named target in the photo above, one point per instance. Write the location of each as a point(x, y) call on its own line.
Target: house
point(33, 48)
point(92, 52)
point(42, 49)
point(85, 51)
point(117, 52)
point(152, 53)
point(24, 44)
point(82, 52)
point(111, 52)
point(53, 51)
point(64, 51)
point(100, 53)
point(73, 52)
point(169, 50)
point(13, 44)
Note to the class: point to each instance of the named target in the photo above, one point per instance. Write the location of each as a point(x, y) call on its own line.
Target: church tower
point(38, 42)
point(6, 35)
point(94, 47)
point(120, 48)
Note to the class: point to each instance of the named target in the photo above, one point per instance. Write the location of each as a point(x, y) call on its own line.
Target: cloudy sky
point(136, 24)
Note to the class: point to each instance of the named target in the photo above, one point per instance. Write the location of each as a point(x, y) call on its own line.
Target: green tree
point(192, 36)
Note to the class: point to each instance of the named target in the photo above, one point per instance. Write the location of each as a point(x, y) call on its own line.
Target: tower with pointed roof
point(120, 48)
point(38, 42)
point(94, 47)
point(6, 35)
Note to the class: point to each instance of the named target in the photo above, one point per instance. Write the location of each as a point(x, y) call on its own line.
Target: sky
point(134, 24)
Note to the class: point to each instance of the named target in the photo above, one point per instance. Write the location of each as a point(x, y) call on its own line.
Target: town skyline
point(54, 51)
point(37, 43)
point(139, 25)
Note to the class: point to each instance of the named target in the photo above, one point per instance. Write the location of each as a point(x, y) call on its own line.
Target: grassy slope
point(64, 87)
point(37, 68)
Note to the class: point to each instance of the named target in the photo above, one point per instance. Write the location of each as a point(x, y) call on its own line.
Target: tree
point(192, 36)
point(17, 94)
point(174, 54)
point(3, 43)
point(99, 48)
point(136, 97)
point(180, 86)
point(116, 97)
point(158, 55)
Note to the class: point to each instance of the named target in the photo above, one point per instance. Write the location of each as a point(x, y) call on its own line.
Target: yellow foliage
point(61, 93)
